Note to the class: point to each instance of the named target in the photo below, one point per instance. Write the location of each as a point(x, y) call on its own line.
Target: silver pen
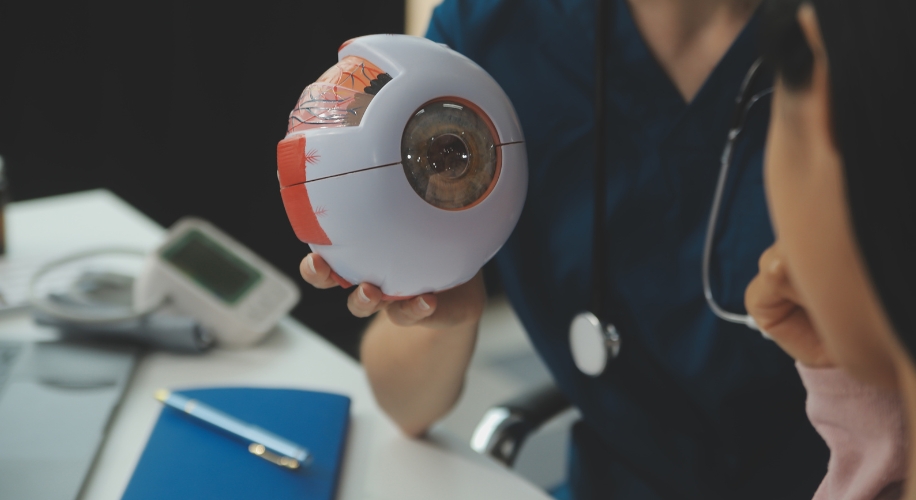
point(262, 443)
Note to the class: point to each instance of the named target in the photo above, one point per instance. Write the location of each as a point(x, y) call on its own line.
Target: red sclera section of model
point(291, 160)
point(302, 216)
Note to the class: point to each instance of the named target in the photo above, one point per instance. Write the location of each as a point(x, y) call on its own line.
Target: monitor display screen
point(212, 266)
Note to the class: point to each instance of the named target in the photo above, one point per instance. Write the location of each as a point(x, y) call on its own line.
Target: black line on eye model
point(509, 143)
point(352, 172)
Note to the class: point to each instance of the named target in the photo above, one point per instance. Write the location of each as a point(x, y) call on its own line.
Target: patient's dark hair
point(871, 52)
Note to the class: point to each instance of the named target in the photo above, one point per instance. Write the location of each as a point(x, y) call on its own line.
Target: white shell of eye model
point(346, 191)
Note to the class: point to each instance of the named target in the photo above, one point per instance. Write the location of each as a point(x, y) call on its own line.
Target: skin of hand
point(775, 305)
point(415, 352)
point(459, 306)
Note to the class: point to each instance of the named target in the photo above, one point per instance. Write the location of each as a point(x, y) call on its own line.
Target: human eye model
point(404, 166)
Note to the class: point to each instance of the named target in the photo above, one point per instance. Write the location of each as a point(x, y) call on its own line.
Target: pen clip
point(262, 451)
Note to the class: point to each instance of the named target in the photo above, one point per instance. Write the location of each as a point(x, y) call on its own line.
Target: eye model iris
point(449, 155)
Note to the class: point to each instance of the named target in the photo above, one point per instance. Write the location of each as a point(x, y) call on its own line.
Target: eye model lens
point(449, 155)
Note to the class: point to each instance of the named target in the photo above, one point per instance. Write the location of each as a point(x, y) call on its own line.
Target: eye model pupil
point(448, 156)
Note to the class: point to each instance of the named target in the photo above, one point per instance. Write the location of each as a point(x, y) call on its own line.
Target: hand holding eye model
point(404, 167)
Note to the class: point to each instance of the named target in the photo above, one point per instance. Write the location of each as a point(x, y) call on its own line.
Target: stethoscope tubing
point(743, 105)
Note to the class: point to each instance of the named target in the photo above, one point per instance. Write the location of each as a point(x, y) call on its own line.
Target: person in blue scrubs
point(693, 408)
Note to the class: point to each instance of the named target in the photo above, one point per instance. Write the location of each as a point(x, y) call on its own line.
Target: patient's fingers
point(770, 297)
point(775, 274)
point(775, 305)
point(316, 272)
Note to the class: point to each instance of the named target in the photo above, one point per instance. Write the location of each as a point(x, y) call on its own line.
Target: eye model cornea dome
point(450, 154)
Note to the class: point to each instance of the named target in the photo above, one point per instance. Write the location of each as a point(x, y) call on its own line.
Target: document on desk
point(184, 459)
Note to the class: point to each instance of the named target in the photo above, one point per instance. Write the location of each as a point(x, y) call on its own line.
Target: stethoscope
point(594, 341)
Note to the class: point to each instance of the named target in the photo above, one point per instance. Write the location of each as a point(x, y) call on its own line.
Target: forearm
point(415, 351)
point(417, 372)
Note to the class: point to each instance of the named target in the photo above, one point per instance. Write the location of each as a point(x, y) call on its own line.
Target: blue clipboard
point(185, 458)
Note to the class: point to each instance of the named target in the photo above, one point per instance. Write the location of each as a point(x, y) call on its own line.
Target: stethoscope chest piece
point(592, 343)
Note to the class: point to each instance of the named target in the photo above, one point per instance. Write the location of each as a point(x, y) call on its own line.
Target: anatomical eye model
point(404, 166)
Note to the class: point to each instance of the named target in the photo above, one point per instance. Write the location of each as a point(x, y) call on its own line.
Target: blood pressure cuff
point(161, 329)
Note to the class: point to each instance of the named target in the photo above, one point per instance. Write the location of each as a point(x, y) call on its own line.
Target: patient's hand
point(773, 302)
point(455, 307)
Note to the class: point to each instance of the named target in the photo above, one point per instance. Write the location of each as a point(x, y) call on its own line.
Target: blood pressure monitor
point(206, 274)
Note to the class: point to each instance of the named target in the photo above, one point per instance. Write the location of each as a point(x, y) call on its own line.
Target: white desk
point(380, 464)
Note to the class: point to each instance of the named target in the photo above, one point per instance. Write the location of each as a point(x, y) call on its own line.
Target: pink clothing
point(865, 431)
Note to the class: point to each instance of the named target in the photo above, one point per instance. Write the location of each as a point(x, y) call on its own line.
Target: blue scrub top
point(694, 407)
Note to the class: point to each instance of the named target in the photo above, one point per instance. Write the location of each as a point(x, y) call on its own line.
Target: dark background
point(177, 107)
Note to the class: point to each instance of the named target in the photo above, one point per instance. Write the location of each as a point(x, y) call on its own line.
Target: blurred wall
point(176, 106)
